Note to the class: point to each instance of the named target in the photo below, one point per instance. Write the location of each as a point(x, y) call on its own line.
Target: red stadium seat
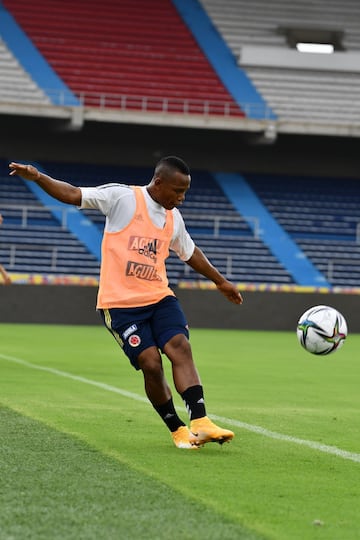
point(126, 48)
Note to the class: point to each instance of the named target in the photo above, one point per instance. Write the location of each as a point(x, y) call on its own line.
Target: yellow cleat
point(204, 430)
point(181, 438)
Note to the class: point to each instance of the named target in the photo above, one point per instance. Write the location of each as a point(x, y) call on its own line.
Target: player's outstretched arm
point(201, 264)
point(60, 190)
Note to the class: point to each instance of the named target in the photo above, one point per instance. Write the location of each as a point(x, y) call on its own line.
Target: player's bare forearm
point(201, 264)
point(60, 190)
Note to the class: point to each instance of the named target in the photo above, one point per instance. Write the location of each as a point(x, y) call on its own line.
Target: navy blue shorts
point(136, 329)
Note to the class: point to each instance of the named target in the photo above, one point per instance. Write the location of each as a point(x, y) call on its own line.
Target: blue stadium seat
point(322, 215)
point(32, 240)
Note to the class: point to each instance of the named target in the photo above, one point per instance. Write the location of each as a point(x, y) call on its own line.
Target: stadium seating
point(32, 240)
point(210, 218)
point(16, 86)
point(257, 22)
point(141, 51)
point(226, 237)
point(294, 94)
point(322, 215)
point(115, 59)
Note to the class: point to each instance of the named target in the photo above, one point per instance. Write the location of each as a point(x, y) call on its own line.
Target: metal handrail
point(26, 209)
point(131, 103)
point(16, 248)
point(331, 266)
point(217, 219)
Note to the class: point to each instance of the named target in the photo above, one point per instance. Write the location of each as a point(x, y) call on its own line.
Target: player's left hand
point(231, 292)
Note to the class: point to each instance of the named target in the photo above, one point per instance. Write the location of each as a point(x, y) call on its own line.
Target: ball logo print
point(322, 330)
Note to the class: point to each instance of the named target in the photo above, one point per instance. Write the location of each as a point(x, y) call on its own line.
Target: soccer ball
point(322, 330)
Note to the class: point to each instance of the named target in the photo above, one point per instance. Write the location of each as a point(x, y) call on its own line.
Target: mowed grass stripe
point(327, 449)
point(54, 486)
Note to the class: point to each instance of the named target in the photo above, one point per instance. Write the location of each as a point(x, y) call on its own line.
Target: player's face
point(171, 191)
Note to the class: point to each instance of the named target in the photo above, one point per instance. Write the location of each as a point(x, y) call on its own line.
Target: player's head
point(171, 163)
point(170, 182)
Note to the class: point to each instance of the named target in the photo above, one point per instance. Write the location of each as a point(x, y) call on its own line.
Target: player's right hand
point(28, 172)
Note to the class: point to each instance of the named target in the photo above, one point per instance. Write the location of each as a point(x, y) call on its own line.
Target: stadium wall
point(29, 139)
point(261, 310)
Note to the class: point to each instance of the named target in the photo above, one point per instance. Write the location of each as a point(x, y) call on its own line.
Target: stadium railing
point(161, 104)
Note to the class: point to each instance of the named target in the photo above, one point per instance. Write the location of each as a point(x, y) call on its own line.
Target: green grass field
point(84, 456)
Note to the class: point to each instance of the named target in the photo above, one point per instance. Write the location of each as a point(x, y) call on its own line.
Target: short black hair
point(173, 162)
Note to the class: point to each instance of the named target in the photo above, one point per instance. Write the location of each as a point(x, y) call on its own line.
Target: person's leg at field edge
point(158, 391)
point(188, 385)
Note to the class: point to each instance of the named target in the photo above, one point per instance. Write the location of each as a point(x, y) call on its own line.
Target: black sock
point(169, 415)
point(194, 401)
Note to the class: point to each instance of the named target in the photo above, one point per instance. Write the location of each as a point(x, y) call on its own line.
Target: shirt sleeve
point(102, 197)
point(115, 201)
point(181, 242)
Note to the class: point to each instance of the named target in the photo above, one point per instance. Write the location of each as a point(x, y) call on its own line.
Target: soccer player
point(134, 299)
point(3, 273)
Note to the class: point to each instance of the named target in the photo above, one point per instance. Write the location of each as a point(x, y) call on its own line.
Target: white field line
point(332, 450)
